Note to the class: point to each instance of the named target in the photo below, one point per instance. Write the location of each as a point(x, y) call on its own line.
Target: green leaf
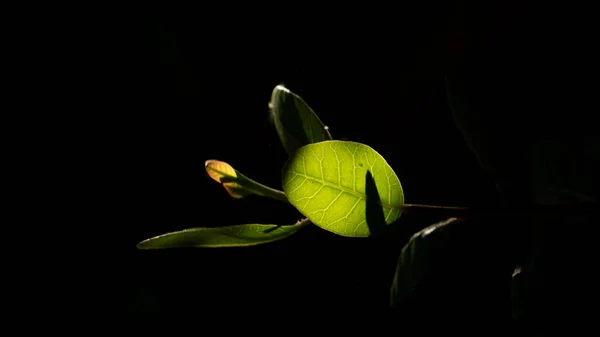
point(229, 236)
point(296, 123)
point(416, 257)
point(237, 184)
point(336, 184)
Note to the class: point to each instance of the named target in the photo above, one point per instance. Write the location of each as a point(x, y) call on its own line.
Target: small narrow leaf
point(237, 184)
point(342, 186)
point(416, 257)
point(229, 236)
point(296, 123)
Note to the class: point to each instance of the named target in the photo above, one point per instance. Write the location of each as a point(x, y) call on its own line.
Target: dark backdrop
point(177, 85)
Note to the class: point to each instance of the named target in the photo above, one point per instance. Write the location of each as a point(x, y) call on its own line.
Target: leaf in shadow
point(517, 294)
point(374, 212)
point(296, 123)
point(416, 257)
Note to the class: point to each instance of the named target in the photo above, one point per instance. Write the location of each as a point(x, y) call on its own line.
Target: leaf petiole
point(260, 189)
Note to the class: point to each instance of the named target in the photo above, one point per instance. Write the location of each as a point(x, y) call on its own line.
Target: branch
point(502, 211)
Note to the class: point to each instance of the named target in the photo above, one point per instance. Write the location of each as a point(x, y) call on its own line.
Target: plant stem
point(502, 211)
point(449, 211)
point(441, 211)
point(260, 189)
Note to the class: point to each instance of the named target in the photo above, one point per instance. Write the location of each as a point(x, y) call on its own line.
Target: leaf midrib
point(345, 189)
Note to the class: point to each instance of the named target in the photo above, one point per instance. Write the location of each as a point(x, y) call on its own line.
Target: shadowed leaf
point(229, 236)
point(327, 183)
point(374, 212)
point(296, 123)
point(415, 258)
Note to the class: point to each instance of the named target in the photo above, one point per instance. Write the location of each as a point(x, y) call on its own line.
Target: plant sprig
point(344, 187)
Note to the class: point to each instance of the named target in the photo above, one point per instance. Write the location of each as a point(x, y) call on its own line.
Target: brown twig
point(501, 211)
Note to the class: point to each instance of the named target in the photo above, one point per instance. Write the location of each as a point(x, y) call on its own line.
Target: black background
point(175, 85)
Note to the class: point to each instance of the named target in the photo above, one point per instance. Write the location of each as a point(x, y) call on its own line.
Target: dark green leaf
point(296, 123)
point(415, 259)
point(516, 293)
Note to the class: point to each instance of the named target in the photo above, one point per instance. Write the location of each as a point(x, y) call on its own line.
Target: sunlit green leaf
point(229, 236)
point(416, 257)
point(336, 184)
point(296, 123)
point(237, 184)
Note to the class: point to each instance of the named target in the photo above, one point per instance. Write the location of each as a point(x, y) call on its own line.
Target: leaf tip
point(217, 169)
point(281, 87)
point(143, 245)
